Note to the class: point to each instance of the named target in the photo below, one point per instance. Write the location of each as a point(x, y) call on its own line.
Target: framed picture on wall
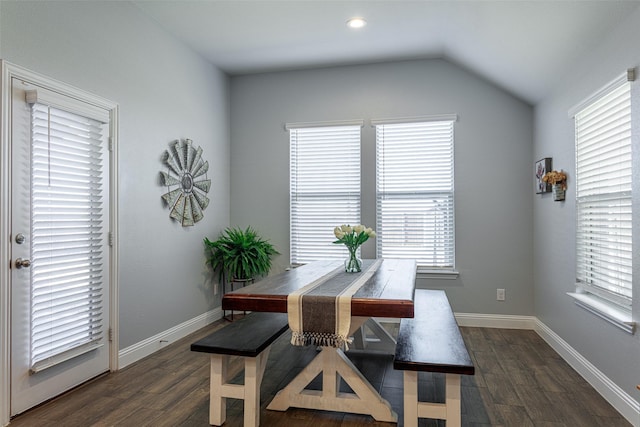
point(542, 166)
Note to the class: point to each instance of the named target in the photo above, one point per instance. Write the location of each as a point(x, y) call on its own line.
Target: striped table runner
point(320, 313)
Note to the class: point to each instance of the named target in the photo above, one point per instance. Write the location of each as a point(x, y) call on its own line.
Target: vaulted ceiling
point(522, 46)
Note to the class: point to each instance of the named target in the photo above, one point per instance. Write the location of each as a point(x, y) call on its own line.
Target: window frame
point(606, 304)
point(424, 270)
point(349, 196)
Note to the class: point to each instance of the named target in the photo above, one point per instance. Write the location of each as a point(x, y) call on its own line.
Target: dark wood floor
point(520, 381)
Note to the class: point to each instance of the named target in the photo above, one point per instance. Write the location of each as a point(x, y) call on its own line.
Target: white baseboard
point(144, 348)
point(495, 321)
point(611, 392)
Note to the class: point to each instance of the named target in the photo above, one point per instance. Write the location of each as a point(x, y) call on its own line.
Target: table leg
point(383, 342)
point(333, 364)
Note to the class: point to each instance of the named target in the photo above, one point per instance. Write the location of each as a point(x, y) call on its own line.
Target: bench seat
point(431, 342)
point(249, 338)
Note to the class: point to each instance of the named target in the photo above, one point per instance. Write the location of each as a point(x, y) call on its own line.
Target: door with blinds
point(60, 243)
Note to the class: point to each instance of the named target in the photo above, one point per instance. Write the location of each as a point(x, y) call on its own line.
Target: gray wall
point(165, 92)
point(493, 164)
point(611, 350)
point(507, 237)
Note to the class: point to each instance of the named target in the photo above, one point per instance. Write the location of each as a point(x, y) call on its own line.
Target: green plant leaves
point(240, 254)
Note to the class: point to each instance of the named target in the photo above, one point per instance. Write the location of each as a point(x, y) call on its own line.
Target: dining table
point(383, 289)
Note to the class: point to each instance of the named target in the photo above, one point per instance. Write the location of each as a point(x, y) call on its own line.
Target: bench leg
point(410, 399)
point(414, 409)
point(220, 389)
point(452, 396)
point(218, 402)
point(253, 373)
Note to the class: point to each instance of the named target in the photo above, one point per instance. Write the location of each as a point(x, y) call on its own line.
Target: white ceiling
point(523, 46)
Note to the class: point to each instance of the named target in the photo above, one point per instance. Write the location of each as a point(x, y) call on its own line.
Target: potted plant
point(558, 181)
point(240, 255)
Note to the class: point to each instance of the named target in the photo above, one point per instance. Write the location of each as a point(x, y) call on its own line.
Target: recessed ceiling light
point(356, 22)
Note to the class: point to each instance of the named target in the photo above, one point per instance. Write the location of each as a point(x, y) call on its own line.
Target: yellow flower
point(555, 177)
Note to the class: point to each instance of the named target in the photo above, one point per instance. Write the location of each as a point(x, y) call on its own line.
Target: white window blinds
point(415, 192)
point(325, 188)
point(603, 196)
point(67, 236)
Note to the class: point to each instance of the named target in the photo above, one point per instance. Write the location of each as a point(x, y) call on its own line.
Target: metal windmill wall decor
point(186, 182)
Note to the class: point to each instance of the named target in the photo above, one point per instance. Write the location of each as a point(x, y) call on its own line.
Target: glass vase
point(353, 264)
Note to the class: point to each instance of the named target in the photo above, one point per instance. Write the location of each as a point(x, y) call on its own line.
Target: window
point(603, 195)
point(325, 188)
point(415, 191)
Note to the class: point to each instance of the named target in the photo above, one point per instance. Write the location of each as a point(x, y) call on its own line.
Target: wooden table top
point(389, 292)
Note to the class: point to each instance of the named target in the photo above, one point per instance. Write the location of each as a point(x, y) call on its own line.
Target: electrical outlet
point(500, 295)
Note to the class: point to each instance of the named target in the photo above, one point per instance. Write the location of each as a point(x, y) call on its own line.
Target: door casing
point(7, 72)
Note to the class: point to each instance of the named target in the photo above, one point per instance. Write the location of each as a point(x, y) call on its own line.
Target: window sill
point(425, 273)
point(612, 314)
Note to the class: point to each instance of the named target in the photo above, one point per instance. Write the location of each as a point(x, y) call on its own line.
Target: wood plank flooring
point(520, 381)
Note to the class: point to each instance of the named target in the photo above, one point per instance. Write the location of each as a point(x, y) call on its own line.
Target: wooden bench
point(250, 338)
point(431, 342)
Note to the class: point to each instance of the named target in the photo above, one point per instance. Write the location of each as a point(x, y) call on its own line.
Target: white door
point(59, 244)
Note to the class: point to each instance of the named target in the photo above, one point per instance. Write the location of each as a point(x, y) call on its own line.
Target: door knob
point(22, 263)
